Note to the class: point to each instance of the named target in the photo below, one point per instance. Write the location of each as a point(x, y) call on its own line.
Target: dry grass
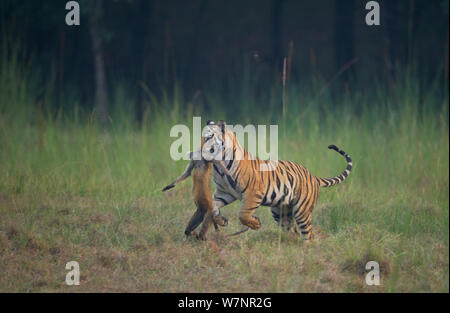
point(141, 248)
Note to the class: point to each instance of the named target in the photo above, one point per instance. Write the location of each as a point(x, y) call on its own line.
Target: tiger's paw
point(254, 223)
point(220, 220)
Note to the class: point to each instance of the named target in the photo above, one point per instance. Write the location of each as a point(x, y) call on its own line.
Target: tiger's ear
point(222, 125)
point(210, 122)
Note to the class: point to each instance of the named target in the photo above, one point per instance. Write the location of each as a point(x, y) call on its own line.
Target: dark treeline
point(151, 44)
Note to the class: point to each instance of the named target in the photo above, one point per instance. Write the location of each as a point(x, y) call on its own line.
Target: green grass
point(71, 191)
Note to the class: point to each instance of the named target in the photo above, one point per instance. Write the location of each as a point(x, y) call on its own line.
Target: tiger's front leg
point(249, 205)
point(220, 200)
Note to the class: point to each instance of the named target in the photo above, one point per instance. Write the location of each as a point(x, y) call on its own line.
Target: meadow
point(71, 190)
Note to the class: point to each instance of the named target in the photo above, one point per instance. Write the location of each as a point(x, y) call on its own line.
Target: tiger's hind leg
point(303, 210)
point(284, 217)
point(303, 217)
point(303, 220)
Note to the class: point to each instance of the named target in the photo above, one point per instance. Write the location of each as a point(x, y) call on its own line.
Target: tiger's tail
point(327, 182)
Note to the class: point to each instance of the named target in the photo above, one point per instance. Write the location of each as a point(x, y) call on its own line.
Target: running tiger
point(287, 187)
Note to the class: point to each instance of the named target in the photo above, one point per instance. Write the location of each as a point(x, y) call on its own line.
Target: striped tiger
point(288, 188)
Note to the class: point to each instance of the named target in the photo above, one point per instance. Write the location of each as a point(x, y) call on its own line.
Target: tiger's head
point(217, 141)
point(213, 141)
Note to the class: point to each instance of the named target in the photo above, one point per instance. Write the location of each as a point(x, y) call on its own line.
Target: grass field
point(71, 191)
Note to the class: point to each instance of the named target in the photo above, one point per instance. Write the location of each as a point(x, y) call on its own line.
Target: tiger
point(288, 188)
point(201, 190)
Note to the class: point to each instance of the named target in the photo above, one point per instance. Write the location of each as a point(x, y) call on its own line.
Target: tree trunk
point(276, 32)
point(143, 28)
point(344, 35)
point(194, 61)
point(99, 66)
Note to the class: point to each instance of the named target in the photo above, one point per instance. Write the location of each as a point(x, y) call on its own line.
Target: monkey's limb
point(195, 220)
point(187, 172)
